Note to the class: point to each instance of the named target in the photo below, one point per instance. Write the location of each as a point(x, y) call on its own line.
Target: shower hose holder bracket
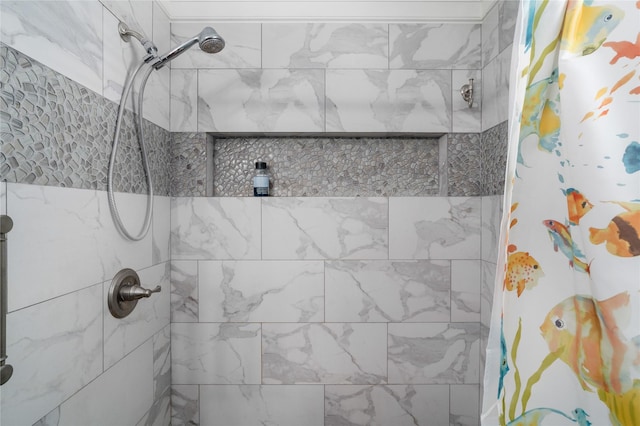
point(125, 291)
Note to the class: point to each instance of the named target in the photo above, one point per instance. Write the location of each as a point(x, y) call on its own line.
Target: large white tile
point(324, 228)
point(261, 100)
point(185, 404)
point(435, 46)
point(161, 227)
point(55, 349)
point(387, 291)
point(184, 100)
point(490, 34)
point(184, 291)
point(388, 100)
point(69, 234)
point(466, 282)
point(491, 217)
point(3, 197)
point(324, 353)
point(63, 35)
point(161, 30)
point(385, 405)
point(157, 98)
point(434, 228)
point(105, 402)
point(149, 316)
point(242, 405)
point(434, 353)
point(336, 45)
point(137, 14)
point(261, 291)
point(215, 228)
point(208, 353)
point(495, 90)
point(465, 405)
point(241, 50)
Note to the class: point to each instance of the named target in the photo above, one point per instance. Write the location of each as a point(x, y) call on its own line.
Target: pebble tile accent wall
point(56, 132)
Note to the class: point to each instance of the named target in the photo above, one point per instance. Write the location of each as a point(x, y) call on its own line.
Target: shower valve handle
point(135, 292)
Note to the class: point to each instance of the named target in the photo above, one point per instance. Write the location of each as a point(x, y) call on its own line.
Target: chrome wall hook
point(467, 92)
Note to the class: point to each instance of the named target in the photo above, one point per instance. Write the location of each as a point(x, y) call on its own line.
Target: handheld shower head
point(208, 40)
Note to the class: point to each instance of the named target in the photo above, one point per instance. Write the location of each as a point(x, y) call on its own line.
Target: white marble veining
point(491, 217)
point(184, 291)
point(55, 349)
point(241, 50)
point(63, 35)
point(261, 291)
point(215, 228)
point(150, 316)
point(387, 291)
point(434, 353)
point(208, 353)
point(466, 280)
point(388, 100)
point(261, 100)
point(3, 197)
point(465, 119)
point(157, 98)
point(434, 228)
point(490, 34)
point(465, 405)
point(508, 15)
point(161, 228)
point(92, 252)
point(385, 405)
point(160, 412)
point(242, 405)
point(495, 90)
point(335, 45)
point(435, 46)
point(185, 404)
point(184, 100)
point(486, 292)
point(324, 353)
point(104, 402)
point(324, 228)
point(161, 30)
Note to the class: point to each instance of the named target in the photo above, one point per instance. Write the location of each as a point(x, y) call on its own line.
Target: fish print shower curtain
point(564, 343)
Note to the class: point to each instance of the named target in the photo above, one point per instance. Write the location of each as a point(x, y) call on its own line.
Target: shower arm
point(126, 33)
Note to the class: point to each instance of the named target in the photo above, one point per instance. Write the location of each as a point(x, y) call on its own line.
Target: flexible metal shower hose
point(145, 162)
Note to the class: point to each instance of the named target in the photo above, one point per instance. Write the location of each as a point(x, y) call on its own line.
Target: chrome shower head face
point(210, 41)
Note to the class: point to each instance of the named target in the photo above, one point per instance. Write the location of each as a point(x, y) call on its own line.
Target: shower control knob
point(125, 291)
point(134, 292)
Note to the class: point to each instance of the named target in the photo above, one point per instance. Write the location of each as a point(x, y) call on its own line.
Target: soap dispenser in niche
point(261, 180)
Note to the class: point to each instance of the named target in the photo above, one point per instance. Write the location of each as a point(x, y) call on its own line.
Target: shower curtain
point(564, 343)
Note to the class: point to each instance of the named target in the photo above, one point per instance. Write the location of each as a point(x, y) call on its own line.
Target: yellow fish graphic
point(523, 271)
point(622, 234)
point(587, 27)
point(586, 332)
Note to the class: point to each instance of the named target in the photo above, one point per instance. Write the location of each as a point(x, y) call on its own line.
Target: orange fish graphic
point(523, 271)
point(577, 204)
point(586, 332)
point(623, 232)
point(624, 49)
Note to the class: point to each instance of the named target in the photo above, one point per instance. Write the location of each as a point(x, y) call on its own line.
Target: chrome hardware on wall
point(467, 92)
point(125, 291)
point(6, 371)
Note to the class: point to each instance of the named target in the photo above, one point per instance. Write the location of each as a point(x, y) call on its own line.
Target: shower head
point(208, 40)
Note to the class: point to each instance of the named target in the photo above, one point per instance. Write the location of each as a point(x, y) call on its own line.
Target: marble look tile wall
point(66, 371)
point(336, 78)
point(329, 310)
point(497, 37)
